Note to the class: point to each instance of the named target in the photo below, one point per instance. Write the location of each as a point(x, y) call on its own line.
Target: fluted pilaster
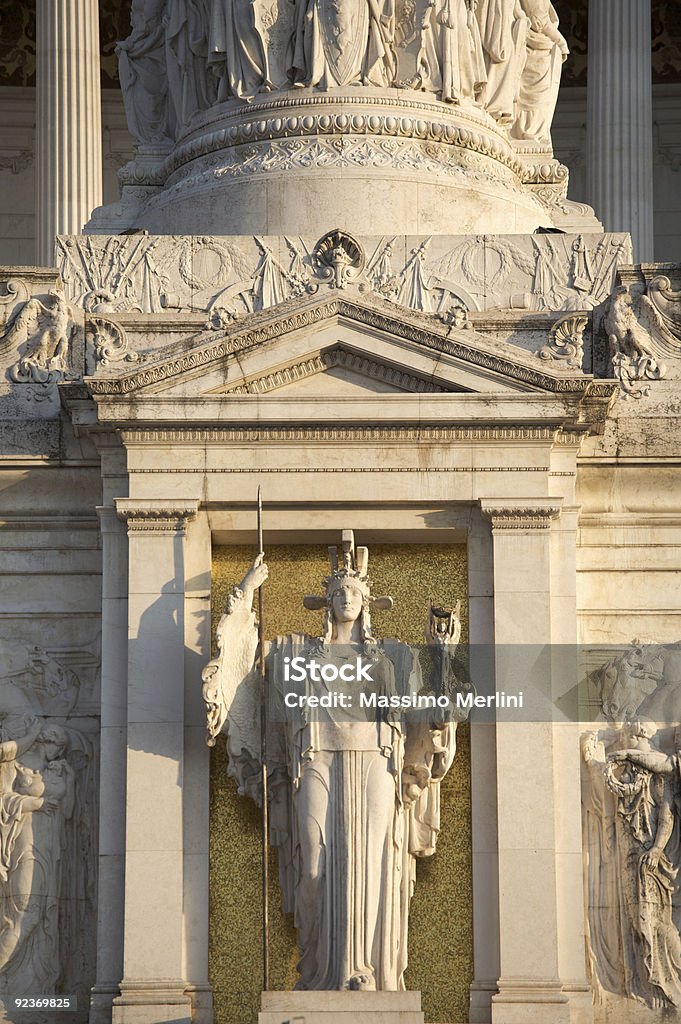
point(620, 119)
point(68, 126)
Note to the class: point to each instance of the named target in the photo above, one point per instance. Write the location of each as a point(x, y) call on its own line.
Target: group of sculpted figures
point(354, 796)
point(45, 783)
point(631, 794)
point(184, 56)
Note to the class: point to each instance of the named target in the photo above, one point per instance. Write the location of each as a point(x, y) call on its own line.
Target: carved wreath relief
point(503, 56)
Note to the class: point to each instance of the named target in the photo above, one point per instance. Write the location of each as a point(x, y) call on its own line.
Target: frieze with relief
point(229, 277)
point(48, 800)
point(630, 797)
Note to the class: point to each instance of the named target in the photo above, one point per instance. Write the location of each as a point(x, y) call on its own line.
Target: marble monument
point(343, 268)
point(354, 795)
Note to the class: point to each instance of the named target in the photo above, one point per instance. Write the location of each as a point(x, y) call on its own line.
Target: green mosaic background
point(441, 924)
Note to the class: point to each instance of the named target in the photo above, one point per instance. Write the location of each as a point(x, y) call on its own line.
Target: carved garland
point(478, 138)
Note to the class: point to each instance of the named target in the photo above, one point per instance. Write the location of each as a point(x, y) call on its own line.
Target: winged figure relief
point(41, 329)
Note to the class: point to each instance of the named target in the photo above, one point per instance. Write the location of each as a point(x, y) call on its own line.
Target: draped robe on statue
point(336, 44)
point(347, 838)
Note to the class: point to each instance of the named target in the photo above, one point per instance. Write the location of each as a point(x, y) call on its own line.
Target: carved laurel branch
point(405, 327)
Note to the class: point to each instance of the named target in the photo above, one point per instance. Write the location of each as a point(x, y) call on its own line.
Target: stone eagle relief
point(354, 798)
point(183, 57)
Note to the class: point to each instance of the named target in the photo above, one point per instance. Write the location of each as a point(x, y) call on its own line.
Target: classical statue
point(192, 87)
point(546, 50)
point(636, 931)
point(143, 74)
point(354, 792)
point(631, 794)
point(236, 50)
point(36, 800)
point(48, 812)
point(343, 42)
point(183, 57)
point(503, 31)
point(450, 61)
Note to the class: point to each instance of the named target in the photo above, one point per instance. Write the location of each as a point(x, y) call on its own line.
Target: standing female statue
point(354, 793)
point(450, 61)
point(540, 79)
point(237, 55)
point(144, 75)
point(343, 42)
point(503, 28)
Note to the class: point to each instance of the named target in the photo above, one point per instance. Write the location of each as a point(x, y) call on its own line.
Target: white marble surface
point(68, 181)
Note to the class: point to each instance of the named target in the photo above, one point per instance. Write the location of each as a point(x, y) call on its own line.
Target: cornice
point(322, 432)
point(521, 514)
point(413, 327)
point(338, 356)
point(152, 515)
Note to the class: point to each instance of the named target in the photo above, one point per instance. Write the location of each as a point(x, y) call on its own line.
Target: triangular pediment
point(337, 370)
point(336, 347)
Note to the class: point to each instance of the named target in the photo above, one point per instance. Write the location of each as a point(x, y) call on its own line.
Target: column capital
point(156, 515)
point(521, 513)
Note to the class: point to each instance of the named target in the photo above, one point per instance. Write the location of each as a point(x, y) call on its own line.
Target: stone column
point(541, 931)
point(620, 119)
point(68, 171)
point(154, 985)
point(111, 864)
point(113, 734)
point(483, 780)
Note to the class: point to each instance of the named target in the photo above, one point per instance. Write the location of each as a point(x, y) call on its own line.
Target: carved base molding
point(163, 1001)
point(546, 1001)
point(407, 147)
point(339, 1007)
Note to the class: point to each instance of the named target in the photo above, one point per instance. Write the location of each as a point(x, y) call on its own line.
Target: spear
point(263, 758)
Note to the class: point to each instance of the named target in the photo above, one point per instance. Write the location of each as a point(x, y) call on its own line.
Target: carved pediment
point(336, 346)
point(338, 371)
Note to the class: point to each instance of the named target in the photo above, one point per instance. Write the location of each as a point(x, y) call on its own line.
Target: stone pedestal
point(68, 175)
point(620, 119)
point(341, 1008)
point(297, 162)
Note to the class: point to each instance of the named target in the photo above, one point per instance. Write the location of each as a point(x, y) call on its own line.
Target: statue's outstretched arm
point(653, 760)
